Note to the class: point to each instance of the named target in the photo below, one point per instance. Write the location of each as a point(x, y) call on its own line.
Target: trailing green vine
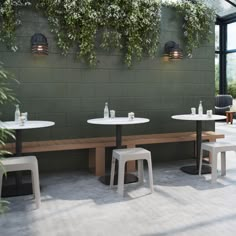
point(198, 21)
point(130, 26)
point(9, 21)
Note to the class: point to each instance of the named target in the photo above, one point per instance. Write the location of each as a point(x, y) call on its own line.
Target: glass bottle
point(17, 113)
point(106, 111)
point(200, 108)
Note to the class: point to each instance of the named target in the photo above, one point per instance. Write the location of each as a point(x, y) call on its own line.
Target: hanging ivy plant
point(130, 26)
point(198, 21)
point(9, 21)
point(141, 29)
point(133, 26)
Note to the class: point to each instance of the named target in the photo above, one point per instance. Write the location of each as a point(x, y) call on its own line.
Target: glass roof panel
point(222, 7)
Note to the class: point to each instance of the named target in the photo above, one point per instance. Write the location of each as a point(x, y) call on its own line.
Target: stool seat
point(130, 154)
point(215, 148)
point(219, 146)
point(19, 164)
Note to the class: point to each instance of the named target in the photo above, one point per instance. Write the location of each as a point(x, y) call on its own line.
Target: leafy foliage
point(133, 26)
point(198, 19)
point(6, 95)
point(130, 26)
point(232, 89)
point(9, 21)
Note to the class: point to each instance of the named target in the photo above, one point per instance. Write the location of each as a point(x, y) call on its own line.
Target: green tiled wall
point(63, 90)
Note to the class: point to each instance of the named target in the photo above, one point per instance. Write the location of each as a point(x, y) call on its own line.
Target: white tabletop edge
point(30, 124)
point(117, 121)
point(197, 117)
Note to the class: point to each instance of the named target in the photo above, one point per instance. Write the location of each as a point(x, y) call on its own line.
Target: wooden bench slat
point(84, 143)
point(97, 145)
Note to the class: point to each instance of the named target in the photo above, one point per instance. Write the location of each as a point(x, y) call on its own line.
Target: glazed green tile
point(62, 89)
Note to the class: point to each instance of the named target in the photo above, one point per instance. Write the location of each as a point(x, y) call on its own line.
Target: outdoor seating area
point(117, 117)
point(178, 205)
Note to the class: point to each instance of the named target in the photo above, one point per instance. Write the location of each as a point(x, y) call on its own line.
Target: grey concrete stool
point(20, 164)
point(215, 148)
point(130, 154)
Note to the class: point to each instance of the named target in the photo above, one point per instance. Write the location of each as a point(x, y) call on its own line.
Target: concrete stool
point(215, 148)
point(20, 164)
point(130, 154)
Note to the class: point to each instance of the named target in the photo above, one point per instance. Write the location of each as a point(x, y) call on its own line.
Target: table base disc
point(12, 191)
point(192, 170)
point(129, 178)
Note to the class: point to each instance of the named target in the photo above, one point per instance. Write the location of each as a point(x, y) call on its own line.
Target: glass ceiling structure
point(224, 8)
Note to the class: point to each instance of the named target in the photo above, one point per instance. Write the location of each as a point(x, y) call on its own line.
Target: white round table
point(193, 170)
point(20, 188)
point(118, 122)
point(31, 124)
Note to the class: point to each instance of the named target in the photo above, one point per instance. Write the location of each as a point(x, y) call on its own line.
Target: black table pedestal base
point(12, 190)
point(129, 178)
point(193, 170)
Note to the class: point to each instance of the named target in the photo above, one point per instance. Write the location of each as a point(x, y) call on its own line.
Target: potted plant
point(6, 96)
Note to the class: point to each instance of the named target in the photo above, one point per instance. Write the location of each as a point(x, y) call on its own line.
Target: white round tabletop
point(197, 117)
point(30, 124)
point(117, 121)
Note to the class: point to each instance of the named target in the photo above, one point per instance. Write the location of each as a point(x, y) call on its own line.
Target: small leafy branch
point(9, 21)
point(6, 95)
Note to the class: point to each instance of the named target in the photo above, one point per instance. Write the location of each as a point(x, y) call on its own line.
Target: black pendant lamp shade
point(39, 44)
point(173, 51)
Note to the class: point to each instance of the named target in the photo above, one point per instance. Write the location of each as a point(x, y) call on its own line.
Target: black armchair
point(223, 104)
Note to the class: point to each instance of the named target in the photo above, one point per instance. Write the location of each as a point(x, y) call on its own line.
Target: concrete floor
point(77, 204)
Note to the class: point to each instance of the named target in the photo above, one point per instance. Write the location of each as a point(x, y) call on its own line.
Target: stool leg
point(149, 161)
point(200, 163)
point(140, 171)
point(223, 164)
point(121, 176)
point(35, 185)
point(113, 165)
point(214, 167)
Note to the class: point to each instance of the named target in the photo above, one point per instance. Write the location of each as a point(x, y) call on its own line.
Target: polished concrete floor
point(77, 204)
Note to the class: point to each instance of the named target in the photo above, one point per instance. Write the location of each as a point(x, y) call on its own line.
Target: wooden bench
point(96, 146)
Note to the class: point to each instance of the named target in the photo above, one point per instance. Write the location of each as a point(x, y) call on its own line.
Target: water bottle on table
point(200, 109)
point(17, 114)
point(106, 111)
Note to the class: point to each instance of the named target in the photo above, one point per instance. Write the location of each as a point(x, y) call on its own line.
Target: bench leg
point(97, 161)
point(92, 160)
point(131, 165)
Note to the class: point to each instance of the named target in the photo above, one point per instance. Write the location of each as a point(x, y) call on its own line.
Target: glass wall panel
point(231, 36)
point(217, 37)
point(231, 73)
point(217, 73)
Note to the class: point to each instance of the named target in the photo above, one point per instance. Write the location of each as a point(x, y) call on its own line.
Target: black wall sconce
point(173, 51)
point(39, 44)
